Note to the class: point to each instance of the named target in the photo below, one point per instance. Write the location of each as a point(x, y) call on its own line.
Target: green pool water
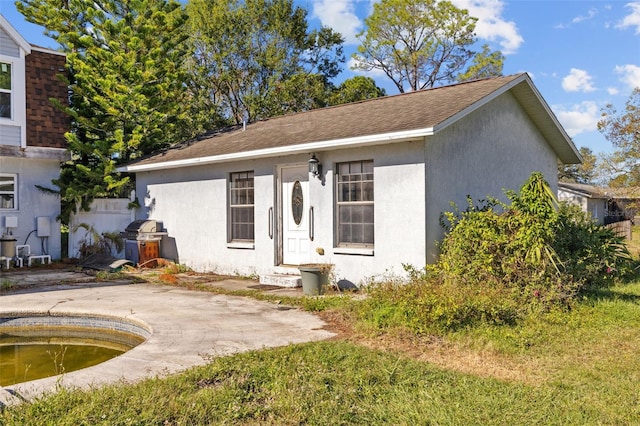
point(29, 353)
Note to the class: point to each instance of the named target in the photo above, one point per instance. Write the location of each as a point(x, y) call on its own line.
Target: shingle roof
point(425, 109)
point(592, 191)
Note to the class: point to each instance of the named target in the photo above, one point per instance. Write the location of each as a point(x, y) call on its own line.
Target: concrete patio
point(188, 327)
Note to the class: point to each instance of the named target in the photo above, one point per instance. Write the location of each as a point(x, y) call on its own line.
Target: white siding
point(13, 131)
point(7, 46)
point(595, 206)
point(10, 135)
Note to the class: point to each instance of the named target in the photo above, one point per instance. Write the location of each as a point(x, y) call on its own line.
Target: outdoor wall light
point(315, 168)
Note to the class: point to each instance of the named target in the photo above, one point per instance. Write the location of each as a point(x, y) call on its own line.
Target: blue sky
point(581, 54)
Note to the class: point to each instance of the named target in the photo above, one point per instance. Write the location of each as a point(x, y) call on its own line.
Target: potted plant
point(315, 277)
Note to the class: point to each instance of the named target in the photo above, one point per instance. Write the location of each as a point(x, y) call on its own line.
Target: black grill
point(140, 229)
point(142, 240)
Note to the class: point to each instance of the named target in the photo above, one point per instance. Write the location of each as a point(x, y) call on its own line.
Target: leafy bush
point(93, 242)
point(547, 253)
point(500, 262)
point(593, 254)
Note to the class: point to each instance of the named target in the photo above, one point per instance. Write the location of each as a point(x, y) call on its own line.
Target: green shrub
point(501, 262)
point(593, 254)
point(546, 253)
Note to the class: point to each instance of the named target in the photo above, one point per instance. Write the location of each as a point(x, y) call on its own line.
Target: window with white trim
point(8, 191)
point(354, 204)
point(5, 90)
point(241, 217)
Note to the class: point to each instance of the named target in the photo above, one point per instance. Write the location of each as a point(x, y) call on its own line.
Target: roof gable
point(375, 121)
point(14, 35)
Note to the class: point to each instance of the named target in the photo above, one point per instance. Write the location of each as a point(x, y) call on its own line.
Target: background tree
point(585, 173)
point(256, 58)
point(355, 89)
point(484, 64)
point(622, 129)
point(128, 99)
point(420, 43)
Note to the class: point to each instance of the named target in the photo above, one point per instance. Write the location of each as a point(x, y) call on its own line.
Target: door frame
point(278, 206)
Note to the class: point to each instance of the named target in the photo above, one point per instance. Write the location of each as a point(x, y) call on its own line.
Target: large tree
point(355, 89)
point(127, 85)
point(418, 44)
point(585, 172)
point(257, 58)
point(622, 129)
point(484, 64)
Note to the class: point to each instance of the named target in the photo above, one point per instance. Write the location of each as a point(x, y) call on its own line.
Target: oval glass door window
point(297, 202)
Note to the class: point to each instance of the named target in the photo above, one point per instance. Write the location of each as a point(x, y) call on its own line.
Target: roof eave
point(523, 87)
point(549, 124)
point(317, 146)
point(575, 191)
point(47, 50)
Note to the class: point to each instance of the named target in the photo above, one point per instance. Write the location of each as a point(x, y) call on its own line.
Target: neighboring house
point(606, 205)
point(244, 201)
point(32, 143)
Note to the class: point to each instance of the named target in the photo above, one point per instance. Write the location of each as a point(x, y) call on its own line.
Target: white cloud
point(613, 90)
point(339, 15)
point(579, 118)
point(590, 15)
point(491, 26)
point(373, 73)
point(577, 81)
point(630, 75)
point(632, 19)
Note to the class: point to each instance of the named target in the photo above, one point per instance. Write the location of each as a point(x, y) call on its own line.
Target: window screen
point(8, 192)
point(241, 206)
point(354, 187)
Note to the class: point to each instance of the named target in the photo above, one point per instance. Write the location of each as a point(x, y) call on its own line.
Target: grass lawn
point(634, 244)
point(581, 367)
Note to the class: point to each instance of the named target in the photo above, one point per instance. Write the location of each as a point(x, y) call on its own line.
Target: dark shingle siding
point(46, 124)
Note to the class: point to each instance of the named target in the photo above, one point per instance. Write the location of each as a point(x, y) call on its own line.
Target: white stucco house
point(244, 201)
point(32, 143)
point(605, 205)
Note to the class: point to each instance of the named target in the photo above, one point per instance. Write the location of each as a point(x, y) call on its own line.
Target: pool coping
point(62, 319)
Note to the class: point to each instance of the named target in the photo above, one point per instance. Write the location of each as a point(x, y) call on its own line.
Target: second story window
point(5, 90)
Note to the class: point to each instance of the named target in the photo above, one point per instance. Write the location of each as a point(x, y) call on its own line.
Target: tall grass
point(326, 383)
point(568, 368)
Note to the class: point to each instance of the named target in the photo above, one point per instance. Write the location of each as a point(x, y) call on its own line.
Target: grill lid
point(142, 226)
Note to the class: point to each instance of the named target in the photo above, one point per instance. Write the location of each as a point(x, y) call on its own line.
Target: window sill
point(242, 246)
point(354, 251)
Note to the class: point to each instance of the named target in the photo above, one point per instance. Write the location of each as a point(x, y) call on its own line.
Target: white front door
point(295, 215)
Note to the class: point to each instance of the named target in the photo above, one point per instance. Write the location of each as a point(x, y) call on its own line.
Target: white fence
point(106, 215)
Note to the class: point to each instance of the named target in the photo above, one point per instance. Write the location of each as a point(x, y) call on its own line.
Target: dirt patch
point(440, 352)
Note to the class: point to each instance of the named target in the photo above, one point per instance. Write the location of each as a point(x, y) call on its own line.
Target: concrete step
point(281, 280)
